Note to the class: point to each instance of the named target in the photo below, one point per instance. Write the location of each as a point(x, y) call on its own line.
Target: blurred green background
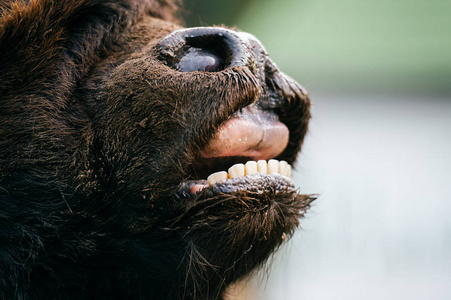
point(346, 45)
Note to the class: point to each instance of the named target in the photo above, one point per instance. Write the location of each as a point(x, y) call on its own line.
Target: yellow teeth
point(252, 167)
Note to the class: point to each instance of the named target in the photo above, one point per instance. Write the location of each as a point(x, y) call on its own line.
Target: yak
point(140, 159)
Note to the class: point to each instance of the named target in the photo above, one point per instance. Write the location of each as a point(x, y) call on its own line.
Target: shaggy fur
point(96, 135)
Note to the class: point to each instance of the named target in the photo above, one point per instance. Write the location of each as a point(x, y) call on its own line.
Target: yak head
point(139, 159)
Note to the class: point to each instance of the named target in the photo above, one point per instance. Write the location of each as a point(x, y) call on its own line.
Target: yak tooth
point(250, 167)
point(262, 167)
point(283, 168)
point(273, 166)
point(236, 170)
point(289, 171)
point(217, 177)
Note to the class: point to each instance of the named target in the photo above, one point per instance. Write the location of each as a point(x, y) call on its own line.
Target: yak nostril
point(202, 49)
point(201, 58)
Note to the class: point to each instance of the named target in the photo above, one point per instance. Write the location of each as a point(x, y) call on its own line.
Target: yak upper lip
point(251, 133)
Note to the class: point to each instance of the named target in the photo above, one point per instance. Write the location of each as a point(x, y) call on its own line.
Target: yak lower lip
point(197, 188)
point(255, 183)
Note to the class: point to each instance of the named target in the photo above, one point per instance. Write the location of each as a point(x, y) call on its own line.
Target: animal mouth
point(241, 156)
point(251, 149)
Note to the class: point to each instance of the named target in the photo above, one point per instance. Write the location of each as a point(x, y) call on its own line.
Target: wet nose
point(208, 49)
